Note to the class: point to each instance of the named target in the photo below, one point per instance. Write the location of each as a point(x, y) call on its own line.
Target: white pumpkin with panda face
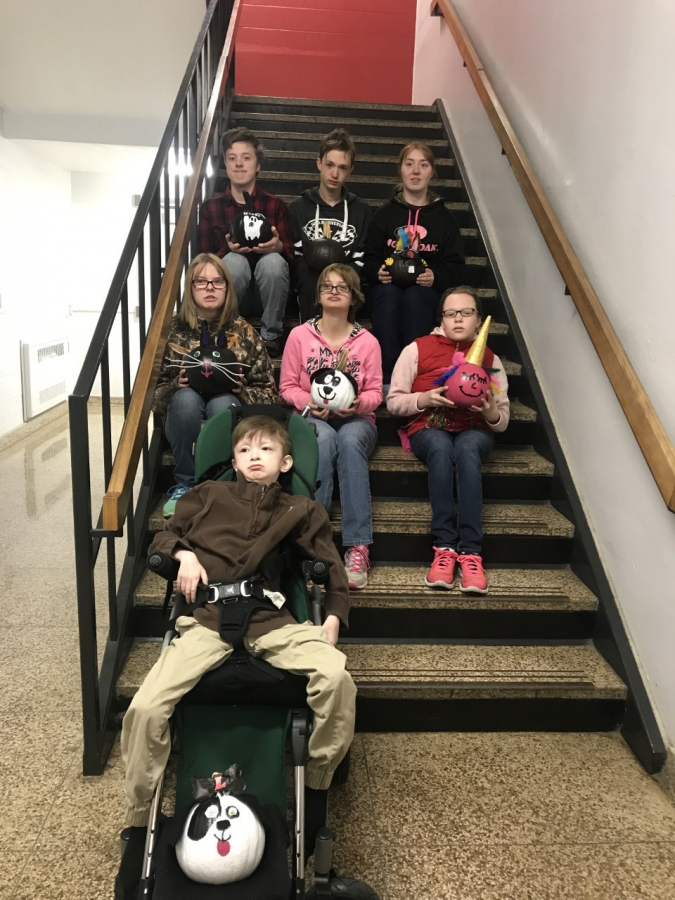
point(333, 389)
point(223, 840)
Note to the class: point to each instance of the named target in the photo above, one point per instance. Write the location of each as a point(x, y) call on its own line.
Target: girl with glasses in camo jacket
point(208, 313)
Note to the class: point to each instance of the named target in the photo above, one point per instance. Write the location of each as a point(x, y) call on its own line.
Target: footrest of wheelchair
point(249, 681)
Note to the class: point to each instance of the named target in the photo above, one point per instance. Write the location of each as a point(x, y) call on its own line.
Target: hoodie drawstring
point(343, 234)
point(411, 232)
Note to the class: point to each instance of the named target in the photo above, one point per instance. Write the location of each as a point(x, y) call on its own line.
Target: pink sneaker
point(474, 580)
point(357, 564)
point(442, 571)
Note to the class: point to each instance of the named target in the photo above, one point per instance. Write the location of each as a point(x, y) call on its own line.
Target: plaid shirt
point(215, 217)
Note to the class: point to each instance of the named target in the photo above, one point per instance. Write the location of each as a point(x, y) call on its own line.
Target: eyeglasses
point(201, 284)
point(338, 288)
point(453, 313)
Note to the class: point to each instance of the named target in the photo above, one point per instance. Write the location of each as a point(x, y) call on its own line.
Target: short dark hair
point(462, 289)
point(338, 139)
point(244, 136)
point(266, 426)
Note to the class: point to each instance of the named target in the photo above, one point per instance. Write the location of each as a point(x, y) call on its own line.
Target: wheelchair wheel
point(341, 774)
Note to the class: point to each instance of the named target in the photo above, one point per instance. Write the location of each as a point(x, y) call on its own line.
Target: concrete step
point(404, 686)
point(366, 164)
point(365, 143)
point(401, 129)
point(292, 106)
point(412, 517)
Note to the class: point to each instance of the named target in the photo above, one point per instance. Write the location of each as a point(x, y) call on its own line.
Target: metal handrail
point(116, 499)
point(649, 432)
point(151, 264)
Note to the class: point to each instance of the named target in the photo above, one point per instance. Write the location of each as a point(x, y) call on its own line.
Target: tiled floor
point(461, 816)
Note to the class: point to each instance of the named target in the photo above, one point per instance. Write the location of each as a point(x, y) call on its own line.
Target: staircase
point(525, 657)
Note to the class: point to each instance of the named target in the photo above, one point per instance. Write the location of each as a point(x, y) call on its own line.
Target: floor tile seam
point(475, 844)
point(55, 796)
point(378, 839)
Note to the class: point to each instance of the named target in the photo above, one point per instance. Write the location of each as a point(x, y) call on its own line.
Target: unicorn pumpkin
point(467, 381)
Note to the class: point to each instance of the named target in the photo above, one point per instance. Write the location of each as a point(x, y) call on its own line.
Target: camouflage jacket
point(242, 339)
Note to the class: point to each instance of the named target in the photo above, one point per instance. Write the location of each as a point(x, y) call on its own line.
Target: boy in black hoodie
point(331, 208)
point(400, 315)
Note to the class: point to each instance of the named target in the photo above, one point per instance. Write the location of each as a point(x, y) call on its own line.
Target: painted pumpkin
point(404, 267)
point(323, 252)
point(223, 840)
point(333, 389)
point(211, 368)
point(250, 228)
point(467, 381)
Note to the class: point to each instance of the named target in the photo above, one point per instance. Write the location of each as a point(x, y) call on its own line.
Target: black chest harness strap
point(237, 601)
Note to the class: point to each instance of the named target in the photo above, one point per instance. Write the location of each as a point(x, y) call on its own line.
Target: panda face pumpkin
point(333, 389)
point(223, 840)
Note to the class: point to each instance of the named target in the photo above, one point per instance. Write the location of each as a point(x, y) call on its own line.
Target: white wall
point(102, 213)
point(588, 88)
point(34, 291)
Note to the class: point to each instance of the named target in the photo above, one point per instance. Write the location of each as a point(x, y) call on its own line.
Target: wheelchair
point(245, 711)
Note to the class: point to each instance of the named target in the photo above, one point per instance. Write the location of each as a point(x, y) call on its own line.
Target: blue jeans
point(347, 443)
point(185, 415)
point(458, 526)
point(399, 316)
point(266, 284)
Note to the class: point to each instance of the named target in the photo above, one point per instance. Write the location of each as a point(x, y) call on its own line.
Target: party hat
point(477, 352)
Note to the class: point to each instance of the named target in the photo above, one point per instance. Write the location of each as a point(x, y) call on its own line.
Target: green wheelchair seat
point(212, 737)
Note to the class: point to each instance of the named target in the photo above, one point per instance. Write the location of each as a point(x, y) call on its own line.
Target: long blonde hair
point(188, 308)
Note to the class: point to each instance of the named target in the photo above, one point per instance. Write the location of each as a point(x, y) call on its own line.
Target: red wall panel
point(360, 50)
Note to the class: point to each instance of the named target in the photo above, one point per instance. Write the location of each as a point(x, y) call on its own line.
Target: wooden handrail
point(116, 499)
point(650, 434)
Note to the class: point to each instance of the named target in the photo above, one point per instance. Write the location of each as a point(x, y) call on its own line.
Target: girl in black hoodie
point(401, 315)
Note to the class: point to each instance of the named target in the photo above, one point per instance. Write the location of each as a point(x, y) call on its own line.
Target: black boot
point(316, 809)
point(131, 867)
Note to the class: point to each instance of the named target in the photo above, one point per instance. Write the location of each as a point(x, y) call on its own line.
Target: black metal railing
point(135, 287)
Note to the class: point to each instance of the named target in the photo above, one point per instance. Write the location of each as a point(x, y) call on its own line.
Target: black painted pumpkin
point(211, 368)
point(250, 228)
point(322, 253)
point(404, 267)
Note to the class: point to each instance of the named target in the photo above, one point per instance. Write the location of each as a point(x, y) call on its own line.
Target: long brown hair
point(188, 308)
point(351, 279)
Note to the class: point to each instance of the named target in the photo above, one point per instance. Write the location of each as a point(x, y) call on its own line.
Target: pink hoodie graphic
point(306, 352)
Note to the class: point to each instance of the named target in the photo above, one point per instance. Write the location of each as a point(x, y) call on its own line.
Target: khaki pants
point(301, 649)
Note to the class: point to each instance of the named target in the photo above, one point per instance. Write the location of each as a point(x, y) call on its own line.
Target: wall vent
point(44, 375)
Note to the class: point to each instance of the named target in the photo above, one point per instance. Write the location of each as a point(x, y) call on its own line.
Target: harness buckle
point(245, 589)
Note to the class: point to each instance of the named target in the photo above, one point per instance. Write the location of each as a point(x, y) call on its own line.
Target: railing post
point(84, 579)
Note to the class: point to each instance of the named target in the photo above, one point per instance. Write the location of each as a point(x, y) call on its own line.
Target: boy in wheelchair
point(221, 534)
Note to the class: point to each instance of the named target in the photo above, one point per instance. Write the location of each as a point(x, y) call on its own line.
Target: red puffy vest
point(435, 354)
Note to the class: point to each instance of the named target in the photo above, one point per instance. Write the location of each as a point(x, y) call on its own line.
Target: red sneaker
point(474, 580)
point(442, 571)
point(357, 563)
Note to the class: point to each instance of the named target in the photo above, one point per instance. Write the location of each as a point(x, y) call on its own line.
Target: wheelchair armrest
point(163, 565)
point(317, 571)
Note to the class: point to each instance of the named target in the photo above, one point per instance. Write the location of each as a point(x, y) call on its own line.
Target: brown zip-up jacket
point(232, 526)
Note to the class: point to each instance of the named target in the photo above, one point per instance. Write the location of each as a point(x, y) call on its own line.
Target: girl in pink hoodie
point(347, 438)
